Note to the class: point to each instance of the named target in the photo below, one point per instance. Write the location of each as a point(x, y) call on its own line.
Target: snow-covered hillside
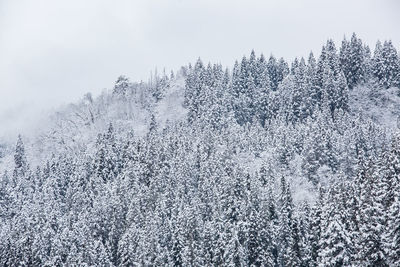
point(76, 126)
point(382, 106)
point(263, 165)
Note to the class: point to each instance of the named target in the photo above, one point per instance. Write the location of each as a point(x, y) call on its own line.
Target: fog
point(52, 52)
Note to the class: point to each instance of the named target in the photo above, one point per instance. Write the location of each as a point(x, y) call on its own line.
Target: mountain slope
point(263, 165)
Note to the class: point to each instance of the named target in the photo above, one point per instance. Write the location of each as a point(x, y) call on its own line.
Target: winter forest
point(266, 163)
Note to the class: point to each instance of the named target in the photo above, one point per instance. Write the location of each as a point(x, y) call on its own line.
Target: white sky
point(53, 51)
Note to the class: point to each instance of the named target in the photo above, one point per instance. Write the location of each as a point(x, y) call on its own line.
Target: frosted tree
point(352, 61)
point(335, 242)
point(328, 69)
point(306, 235)
point(288, 252)
point(274, 72)
point(390, 185)
point(160, 86)
point(21, 165)
point(394, 233)
point(121, 86)
point(385, 64)
point(314, 95)
point(299, 93)
point(261, 96)
point(371, 248)
point(107, 161)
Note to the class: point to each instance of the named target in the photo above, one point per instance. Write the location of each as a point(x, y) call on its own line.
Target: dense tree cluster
point(269, 168)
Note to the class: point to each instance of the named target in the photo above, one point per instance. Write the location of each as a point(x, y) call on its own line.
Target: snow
point(170, 108)
point(381, 105)
point(179, 170)
point(69, 127)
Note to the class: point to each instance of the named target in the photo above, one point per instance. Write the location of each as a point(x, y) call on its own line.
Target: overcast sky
point(53, 51)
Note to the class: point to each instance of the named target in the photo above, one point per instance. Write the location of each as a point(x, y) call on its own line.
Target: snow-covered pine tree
point(352, 60)
point(335, 242)
point(385, 64)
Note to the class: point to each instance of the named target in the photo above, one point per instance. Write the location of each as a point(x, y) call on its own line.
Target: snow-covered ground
point(383, 106)
point(170, 108)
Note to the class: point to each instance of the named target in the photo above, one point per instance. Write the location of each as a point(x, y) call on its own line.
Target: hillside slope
point(263, 165)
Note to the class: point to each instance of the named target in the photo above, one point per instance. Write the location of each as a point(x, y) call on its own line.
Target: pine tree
point(20, 161)
point(314, 94)
point(390, 187)
point(299, 93)
point(262, 90)
point(335, 242)
point(259, 243)
point(328, 62)
point(305, 235)
point(352, 61)
point(161, 85)
point(393, 246)
point(371, 251)
point(121, 86)
point(194, 84)
point(107, 162)
point(385, 64)
point(342, 93)
point(288, 237)
point(315, 228)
